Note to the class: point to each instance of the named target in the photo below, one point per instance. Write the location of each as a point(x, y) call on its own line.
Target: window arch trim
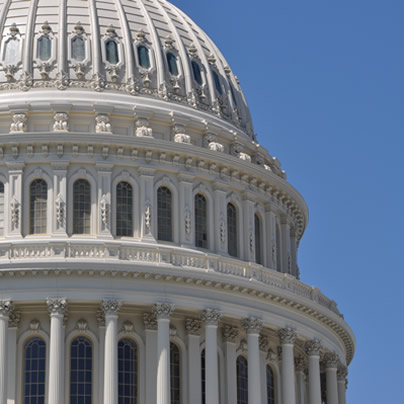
point(277, 381)
point(31, 210)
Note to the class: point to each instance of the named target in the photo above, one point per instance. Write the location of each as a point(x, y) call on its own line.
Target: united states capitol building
point(148, 242)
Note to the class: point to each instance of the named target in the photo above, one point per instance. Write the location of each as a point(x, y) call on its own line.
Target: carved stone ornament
point(313, 348)
point(82, 325)
point(251, 240)
point(179, 134)
point(98, 82)
point(163, 311)
point(253, 325)
point(57, 306)
point(111, 307)
point(5, 307)
point(9, 72)
point(230, 333)
point(245, 157)
point(34, 325)
point(222, 231)
point(102, 124)
point(14, 318)
point(209, 138)
point(299, 364)
point(100, 317)
point(236, 148)
point(188, 222)
point(271, 355)
point(104, 206)
point(287, 336)
point(211, 316)
point(342, 373)
point(243, 347)
point(150, 321)
point(331, 360)
point(192, 326)
point(61, 122)
point(60, 210)
point(19, 123)
point(263, 343)
point(15, 213)
point(142, 128)
point(216, 147)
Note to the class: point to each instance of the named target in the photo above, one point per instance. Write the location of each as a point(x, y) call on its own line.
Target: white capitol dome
point(148, 243)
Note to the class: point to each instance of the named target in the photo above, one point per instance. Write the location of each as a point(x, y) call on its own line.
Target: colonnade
point(291, 369)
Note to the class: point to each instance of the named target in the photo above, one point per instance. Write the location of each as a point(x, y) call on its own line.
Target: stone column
point(211, 318)
point(342, 374)
point(150, 325)
point(253, 327)
point(287, 338)
point(57, 310)
point(163, 312)
point(331, 366)
point(193, 329)
point(230, 335)
point(5, 308)
point(300, 379)
point(111, 312)
point(13, 322)
point(313, 349)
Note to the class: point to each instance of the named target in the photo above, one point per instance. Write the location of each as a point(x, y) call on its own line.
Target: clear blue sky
point(324, 81)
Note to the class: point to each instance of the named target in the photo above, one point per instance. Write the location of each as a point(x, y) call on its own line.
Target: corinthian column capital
point(163, 311)
point(313, 347)
point(331, 360)
point(57, 306)
point(5, 307)
point(252, 325)
point(111, 307)
point(287, 336)
point(211, 317)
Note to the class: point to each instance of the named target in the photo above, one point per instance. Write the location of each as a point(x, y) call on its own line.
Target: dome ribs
point(29, 38)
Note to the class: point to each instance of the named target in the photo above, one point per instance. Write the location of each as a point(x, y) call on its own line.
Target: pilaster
point(104, 173)
point(150, 325)
point(60, 198)
point(5, 309)
point(220, 220)
point(148, 223)
point(13, 323)
point(193, 329)
point(186, 208)
point(15, 173)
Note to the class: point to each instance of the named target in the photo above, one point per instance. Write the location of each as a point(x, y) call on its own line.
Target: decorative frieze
point(211, 316)
point(287, 336)
point(163, 310)
point(102, 124)
point(19, 123)
point(142, 128)
point(61, 123)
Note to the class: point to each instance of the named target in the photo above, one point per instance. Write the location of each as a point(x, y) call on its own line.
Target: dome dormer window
point(111, 50)
point(44, 48)
point(218, 84)
point(12, 51)
point(172, 64)
point(78, 49)
point(144, 58)
point(197, 72)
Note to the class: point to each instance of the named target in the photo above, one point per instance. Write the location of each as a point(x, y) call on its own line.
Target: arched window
point(164, 214)
point(218, 84)
point(81, 371)
point(81, 207)
point(1, 208)
point(144, 58)
point(127, 371)
point(278, 249)
point(38, 202)
point(201, 221)
point(124, 209)
point(34, 371)
point(78, 49)
point(175, 374)
point(44, 48)
point(257, 228)
point(172, 64)
point(197, 72)
point(111, 48)
point(242, 380)
point(270, 385)
point(203, 375)
point(232, 233)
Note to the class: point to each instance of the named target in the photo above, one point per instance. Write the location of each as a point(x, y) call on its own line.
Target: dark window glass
point(258, 257)
point(217, 83)
point(203, 376)
point(124, 209)
point(197, 72)
point(144, 58)
point(270, 385)
point(81, 371)
point(164, 213)
point(78, 49)
point(232, 233)
point(81, 207)
point(175, 374)
point(38, 206)
point(111, 48)
point(44, 48)
point(242, 380)
point(233, 95)
point(1, 208)
point(172, 64)
point(127, 371)
point(34, 371)
point(201, 221)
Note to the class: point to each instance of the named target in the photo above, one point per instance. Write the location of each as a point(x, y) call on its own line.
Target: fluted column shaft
point(163, 312)
point(331, 366)
point(111, 312)
point(5, 307)
point(313, 351)
point(341, 376)
point(253, 327)
point(57, 310)
point(211, 318)
point(287, 338)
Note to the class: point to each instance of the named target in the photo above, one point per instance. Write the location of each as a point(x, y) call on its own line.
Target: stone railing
point(70, 251)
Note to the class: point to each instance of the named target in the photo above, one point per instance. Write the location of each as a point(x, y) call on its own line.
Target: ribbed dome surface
point(145, 48)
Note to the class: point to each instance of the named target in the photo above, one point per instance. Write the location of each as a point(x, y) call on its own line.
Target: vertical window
point(164, 213)
point(257, 228)
point(81, 207)
point(34, 371)
point(232, 233)
point(127, 371)
point(124, 209)
point(242, 380)
point(172, 64)
point(144, 58)
point(78, 49)
point(278, 249)
point(44, 48)
point(203, 376)
point(175, 374)
point(81, 371)
point(38, 206)
point(111, 48)
point(201, 219)
point(12, 51)
point(233, 95)
point(197, 72)
point(270, 385)
point(1, 208)
point(218, 84)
